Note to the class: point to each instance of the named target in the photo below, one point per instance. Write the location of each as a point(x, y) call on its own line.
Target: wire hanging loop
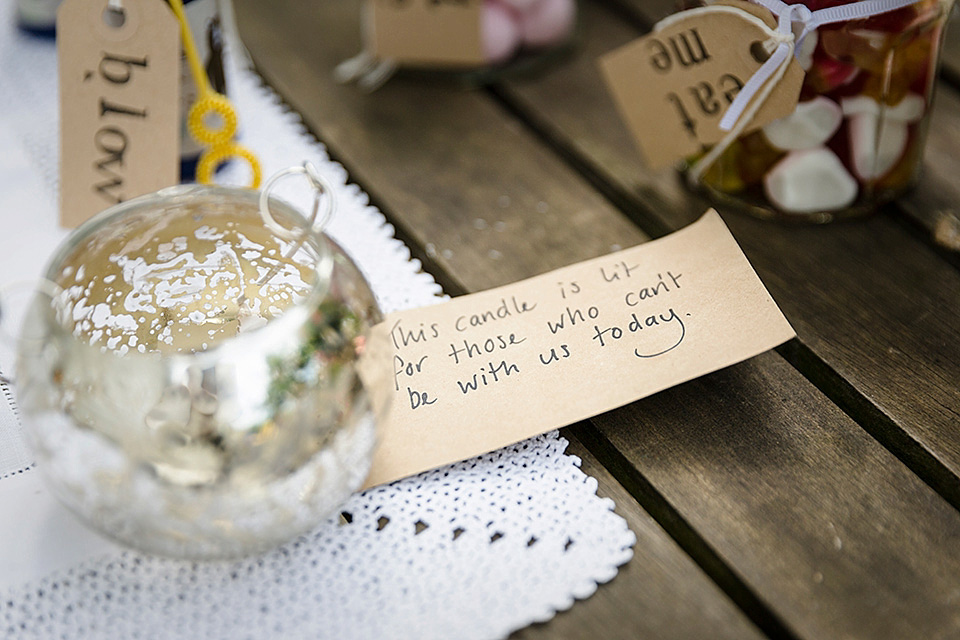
point(212, 120)
point(315, 223)
point(322, 195)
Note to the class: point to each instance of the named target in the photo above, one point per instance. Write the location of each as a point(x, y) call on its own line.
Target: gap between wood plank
point(620, 198)
point(921, 232)
point(680, 530)
point(860, 409)
point(873, 420)
point(950, 77)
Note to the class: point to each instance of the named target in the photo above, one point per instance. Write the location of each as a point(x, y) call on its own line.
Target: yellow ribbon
point(218, 141)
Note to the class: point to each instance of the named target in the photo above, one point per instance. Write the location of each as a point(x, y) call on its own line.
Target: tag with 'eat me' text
point(119, 100)
point(673, 86)
point(428, 32)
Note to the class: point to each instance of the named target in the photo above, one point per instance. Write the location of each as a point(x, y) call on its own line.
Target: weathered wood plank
point(462, 180)
point(661, 586)
point(850, 289)
point(839, 538)
point(753, 457)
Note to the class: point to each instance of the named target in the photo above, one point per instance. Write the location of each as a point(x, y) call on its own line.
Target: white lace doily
point(473, 550)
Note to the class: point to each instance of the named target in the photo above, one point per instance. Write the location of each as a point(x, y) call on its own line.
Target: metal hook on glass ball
point(323, 193)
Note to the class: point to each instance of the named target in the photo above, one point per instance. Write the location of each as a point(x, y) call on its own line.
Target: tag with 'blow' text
point(427, 32)
point(119, 91)
point(673, 86)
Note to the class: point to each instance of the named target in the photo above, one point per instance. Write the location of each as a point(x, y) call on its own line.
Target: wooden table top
point(810, 492)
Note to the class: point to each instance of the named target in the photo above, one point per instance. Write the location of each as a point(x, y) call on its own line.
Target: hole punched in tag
point(117, 20)
point(760, 52)
point(114, 15)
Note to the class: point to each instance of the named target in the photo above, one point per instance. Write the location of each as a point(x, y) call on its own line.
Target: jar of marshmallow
point(856, 137)
point(471, 41)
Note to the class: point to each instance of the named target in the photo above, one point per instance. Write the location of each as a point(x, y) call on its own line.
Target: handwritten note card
point(489, 369)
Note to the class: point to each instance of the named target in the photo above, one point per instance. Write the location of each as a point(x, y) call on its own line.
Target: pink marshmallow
point(810, 180)
point(499, 32)
point(548, 22)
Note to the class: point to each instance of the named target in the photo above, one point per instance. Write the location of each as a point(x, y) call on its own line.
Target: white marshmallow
point(910, 109)
point(810, 125)
point(878, 40)
point(810, 180)
point(875, 145)
point(879, 136)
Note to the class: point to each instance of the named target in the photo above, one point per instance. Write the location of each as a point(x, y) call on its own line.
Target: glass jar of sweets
point(856, 137)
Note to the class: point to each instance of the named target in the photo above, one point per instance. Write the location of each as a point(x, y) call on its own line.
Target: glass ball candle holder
point(190, 382)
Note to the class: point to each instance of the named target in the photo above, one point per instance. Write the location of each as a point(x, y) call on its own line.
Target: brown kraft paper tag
point(489, 369)
point(673, 86)
point(425, 32)
point(119, 88)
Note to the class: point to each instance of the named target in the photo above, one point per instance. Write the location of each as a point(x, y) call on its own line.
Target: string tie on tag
point(787, 15)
